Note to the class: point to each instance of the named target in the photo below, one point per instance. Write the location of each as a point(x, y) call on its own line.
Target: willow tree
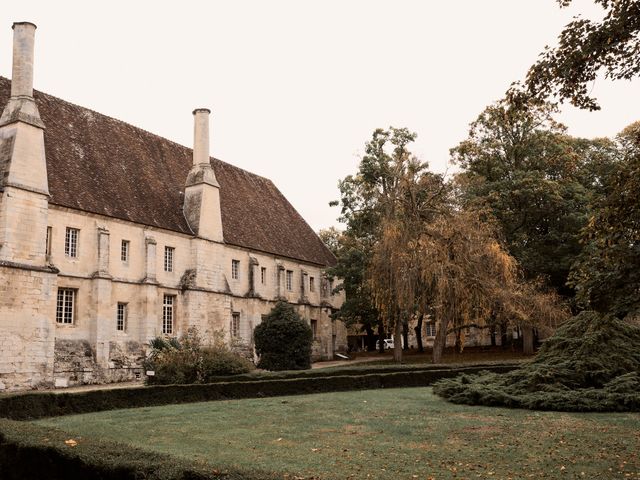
point(455, 267)
point(390, 184)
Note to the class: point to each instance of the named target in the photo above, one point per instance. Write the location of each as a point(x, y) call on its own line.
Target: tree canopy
point(586, 48)
point(607, 274)
point(536, 180)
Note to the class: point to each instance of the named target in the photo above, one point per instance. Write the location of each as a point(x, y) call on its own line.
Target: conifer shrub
point(283, 340)
point(591, 363)
point(186, 361)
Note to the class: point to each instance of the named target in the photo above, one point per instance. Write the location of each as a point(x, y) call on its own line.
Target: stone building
point(110, 236)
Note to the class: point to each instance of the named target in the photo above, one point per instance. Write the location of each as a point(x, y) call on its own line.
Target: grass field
point(378, 434)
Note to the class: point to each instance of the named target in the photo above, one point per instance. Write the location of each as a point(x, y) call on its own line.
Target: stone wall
point(27, 312)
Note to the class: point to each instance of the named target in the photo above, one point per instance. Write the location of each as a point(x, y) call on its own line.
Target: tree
point(357, 308)
point(283, 340)
point(584, 49)
point(607, 274)
point(537, 181)
point(368, 197)
point(455, 266)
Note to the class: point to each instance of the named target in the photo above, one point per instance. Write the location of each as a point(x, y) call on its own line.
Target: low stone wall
point(75, 363)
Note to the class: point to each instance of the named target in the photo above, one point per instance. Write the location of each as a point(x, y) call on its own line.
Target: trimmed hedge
point(35, 405)
point(29, 451)
point(34, 452)
point(357, 370)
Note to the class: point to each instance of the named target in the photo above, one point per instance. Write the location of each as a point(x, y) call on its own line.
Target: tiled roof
point(105, 166)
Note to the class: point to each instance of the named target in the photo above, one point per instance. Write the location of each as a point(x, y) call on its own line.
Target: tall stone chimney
point(202, 192)
point(24, 187)
point(21, 105)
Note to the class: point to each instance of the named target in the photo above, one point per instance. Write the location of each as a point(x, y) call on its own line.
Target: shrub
point(592, 363)
point(283, 340)
point(218, 361)
point(186, 361)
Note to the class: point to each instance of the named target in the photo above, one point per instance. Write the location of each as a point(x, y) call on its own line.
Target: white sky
point(297, 87)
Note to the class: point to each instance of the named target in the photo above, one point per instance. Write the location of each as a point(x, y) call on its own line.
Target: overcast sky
point(297, 87)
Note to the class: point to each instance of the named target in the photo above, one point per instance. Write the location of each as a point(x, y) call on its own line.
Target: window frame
point(47, 245)
point(312, 284)
point(234, 329)
point(169, 257)
point(289, 280)
point(263, 275)
point(71, 242)
point(125, 249)
point(430, 329)
point(122, 313)
point(62, 303)
point(235, 269)
point(313, 323)
point(168, 313)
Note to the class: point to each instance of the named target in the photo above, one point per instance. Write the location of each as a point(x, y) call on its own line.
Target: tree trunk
point(371, 339)
point(527, 340)
point(503, 335)
point(397, 342)
point(458, 347)
point(418, 330)
point(380, 337)
point(405, 334)
point(440, 341)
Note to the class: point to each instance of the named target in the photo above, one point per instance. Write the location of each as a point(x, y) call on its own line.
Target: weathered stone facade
point(83, 290)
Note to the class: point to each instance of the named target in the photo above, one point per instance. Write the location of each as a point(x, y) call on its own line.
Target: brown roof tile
point(105, 166)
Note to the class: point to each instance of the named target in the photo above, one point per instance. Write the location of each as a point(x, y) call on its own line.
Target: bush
point(592, 363)
point(217, 362)
point(283, 340)
point(185, 361)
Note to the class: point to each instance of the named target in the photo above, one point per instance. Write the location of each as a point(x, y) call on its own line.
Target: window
point(124, 251)
point(71, 242)
point(168, 259)
point(312, 284)
point(314, 328)
point(168, 314)
point(121, 317)
point(289, 280)
point(65, 307)
point(235, 325)
point(235, 269)
point(47, 245)
point(263, 275)
point(431, 329)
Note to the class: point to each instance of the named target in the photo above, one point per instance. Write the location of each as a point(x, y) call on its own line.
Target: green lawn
point(377, 434)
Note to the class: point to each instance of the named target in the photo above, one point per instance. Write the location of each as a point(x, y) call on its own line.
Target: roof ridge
point(135, 127)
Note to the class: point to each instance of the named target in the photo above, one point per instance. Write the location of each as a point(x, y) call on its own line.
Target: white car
point(388, 343)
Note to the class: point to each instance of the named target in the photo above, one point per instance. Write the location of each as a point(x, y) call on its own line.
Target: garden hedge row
point(34, 452)
point(29, 451)
point(355, 370)
point(36, 405)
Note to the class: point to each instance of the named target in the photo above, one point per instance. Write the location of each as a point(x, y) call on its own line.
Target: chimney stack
point(24, 187)
point(202, 191)
point(22, 106)
point(22, 75)
point(201, 136)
